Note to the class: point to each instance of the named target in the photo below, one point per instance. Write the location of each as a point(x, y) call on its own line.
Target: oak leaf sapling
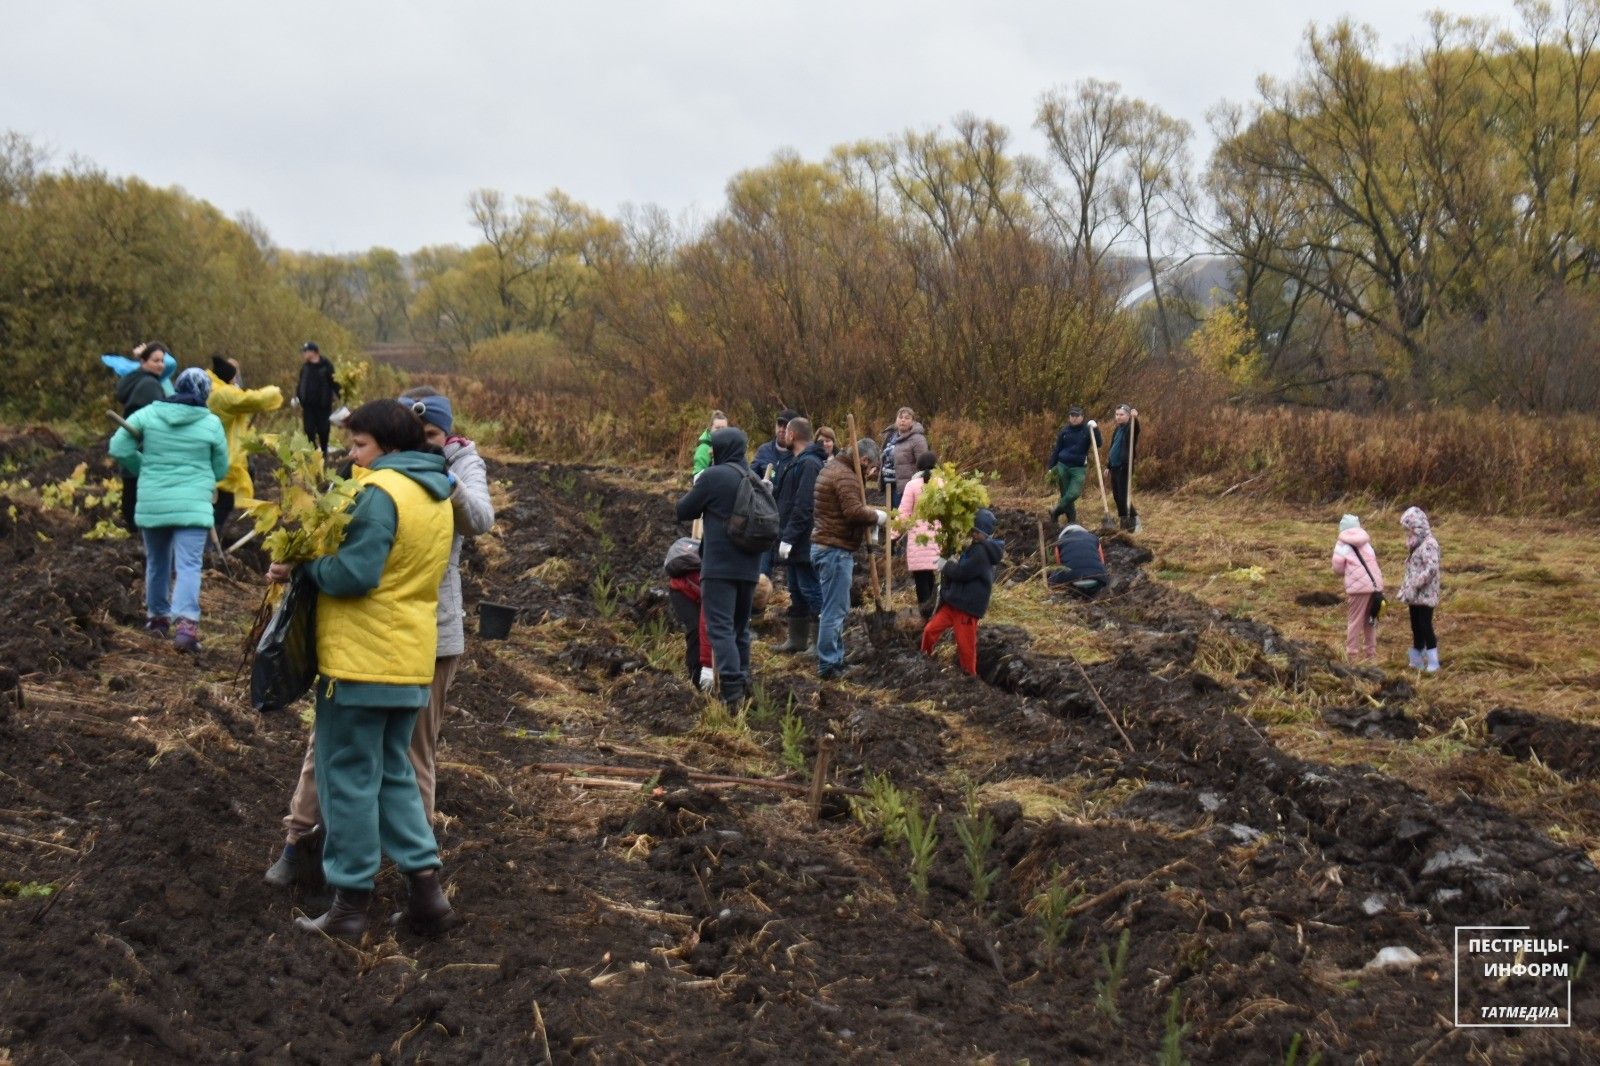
point(950, 503)
point(308, 519)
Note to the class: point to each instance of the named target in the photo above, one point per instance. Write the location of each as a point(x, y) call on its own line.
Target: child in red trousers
point(965, 585)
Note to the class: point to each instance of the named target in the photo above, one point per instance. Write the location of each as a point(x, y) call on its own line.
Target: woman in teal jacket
point(178, 451)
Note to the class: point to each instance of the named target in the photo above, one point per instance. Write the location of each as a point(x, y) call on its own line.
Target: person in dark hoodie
point(315, 393)
point(796, 504)
point(728, 574)
point(965, 587)
point(1069, 462)
point(136, 390)
point(1083, 563)
point(377, 634)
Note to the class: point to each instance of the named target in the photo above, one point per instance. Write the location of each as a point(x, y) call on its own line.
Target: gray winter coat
point(474, 514)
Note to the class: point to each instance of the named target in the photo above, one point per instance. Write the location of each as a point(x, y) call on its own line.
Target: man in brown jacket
point(840, 519)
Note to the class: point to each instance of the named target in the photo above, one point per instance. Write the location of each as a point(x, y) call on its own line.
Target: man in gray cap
point(1068, 462)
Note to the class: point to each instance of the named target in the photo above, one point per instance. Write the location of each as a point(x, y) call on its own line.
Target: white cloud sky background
point(342, 125)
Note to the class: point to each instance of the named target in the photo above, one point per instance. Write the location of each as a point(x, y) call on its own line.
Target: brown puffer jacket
point(839, 518)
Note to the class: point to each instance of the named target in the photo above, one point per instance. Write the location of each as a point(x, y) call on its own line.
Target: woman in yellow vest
point(376, 638)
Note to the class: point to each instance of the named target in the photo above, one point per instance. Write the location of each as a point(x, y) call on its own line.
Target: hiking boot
point(797, 637)
point(187, 635)
point(427, 911)
point(300, 863)
point(345, 919)
point(156, 627)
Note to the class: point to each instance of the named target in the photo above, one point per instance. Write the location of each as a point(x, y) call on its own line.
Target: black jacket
point(139, 389)
point(1072, 445)
point(1080, 555)
point(967, 583)
point(317, 390)
point(797, 497)
point(712, 498)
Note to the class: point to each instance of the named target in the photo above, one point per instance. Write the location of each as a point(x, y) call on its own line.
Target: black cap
point(1075, 411)
point(787, 415)
point(310, 346)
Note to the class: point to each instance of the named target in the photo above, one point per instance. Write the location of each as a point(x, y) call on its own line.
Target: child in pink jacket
point(922, 551)
point(1357, 563)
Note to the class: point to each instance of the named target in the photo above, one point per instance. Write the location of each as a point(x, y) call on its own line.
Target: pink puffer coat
point(919, 556)
point(1345, 564)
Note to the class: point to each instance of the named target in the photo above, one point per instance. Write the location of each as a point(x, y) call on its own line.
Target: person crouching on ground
point(839, 522)
point(178, 451)
point(728, 573)
point(683, 596)
point(1355, 560)
point(965, 587)
point(1419, 589)
point(922, 550)
point(1083, 563)
point(377, 635)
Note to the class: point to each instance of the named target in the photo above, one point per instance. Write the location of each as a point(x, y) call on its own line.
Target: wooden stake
point(888, 548)
point(819, 774)
point(1044, 559)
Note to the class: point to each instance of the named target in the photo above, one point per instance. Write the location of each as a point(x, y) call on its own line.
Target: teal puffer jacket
point(180, 455)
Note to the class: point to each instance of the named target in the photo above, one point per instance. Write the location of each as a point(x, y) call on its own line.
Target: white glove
point(784, 548)
point(707, 679)
point(883, 516)
point(872, 536)
point(294, 401)
point(1093, 424)
point(943, 562)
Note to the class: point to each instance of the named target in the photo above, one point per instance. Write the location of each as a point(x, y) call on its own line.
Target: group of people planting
point(388, 618)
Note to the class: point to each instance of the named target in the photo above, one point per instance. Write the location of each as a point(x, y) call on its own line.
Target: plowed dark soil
point(687, 919)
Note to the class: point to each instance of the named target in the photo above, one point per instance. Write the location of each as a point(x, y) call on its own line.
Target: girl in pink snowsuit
point(1357, 563)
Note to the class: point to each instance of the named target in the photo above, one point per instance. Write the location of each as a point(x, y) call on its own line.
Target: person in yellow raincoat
point(234, 404)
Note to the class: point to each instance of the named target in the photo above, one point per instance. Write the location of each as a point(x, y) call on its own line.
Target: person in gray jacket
point(301, 860)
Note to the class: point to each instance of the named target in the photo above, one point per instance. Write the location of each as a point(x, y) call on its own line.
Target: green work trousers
point(367, 790)
point(1071, 488)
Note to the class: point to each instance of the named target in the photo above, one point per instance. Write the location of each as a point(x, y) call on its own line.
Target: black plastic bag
point(286, 656)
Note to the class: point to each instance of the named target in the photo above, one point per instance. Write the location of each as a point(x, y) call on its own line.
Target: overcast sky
point(341, 125)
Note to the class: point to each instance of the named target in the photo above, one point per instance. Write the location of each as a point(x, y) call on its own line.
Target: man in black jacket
point(1069, 462)
point(135, 391)
point(796, 505)
point(316, 393)
point(728, 574)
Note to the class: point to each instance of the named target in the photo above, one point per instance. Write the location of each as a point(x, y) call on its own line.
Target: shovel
point(1132, 523)
point(1107, 523)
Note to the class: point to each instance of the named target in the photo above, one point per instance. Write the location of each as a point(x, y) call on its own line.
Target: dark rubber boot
point(299, 863)
point(797, 637)
point(427, 912)
point(812, 625)
point(346, 919)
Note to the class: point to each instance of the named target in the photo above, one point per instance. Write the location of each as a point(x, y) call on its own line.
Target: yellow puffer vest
point(390, 635)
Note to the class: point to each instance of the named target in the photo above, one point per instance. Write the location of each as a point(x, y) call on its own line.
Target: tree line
point(1423, 228)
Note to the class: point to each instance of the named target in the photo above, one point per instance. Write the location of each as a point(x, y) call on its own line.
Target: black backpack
point(753, 523)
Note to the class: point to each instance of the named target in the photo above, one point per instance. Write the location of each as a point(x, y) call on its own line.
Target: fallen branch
point(1119, 890)
point(1242, 484)
point(544, 1038)
point(697, 776)
point(41, 843)
point(1096, 694)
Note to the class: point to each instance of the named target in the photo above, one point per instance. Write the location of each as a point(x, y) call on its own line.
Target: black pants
point(315, 422)
point(927, 582)
point(221, 511)
point(727, 606)
point(1422, 635)
point(687, 612)
point(130, 500)
point(1119, 490)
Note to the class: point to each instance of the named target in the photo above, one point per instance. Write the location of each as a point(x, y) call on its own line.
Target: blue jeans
point(805, 593)
point(727, 607)
point(166, 549)
point(834, 567)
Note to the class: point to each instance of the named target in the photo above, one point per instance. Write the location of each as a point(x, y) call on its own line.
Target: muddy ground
point(670, 918)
